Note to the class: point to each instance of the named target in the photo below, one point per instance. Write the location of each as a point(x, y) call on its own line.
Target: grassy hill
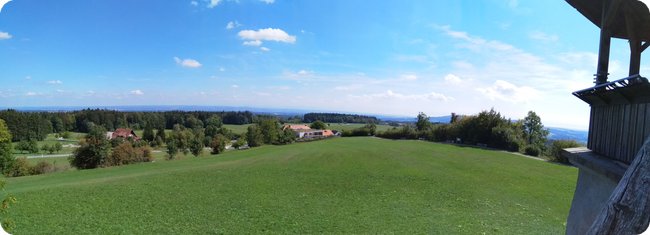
point(341, 185)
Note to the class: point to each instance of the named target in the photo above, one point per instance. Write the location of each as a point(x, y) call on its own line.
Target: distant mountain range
point(555, 133)
point(568, 134)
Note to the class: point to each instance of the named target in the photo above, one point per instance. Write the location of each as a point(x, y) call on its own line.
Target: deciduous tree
point(6, 160)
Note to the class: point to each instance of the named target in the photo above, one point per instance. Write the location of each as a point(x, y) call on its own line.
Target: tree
point(286, 136)
point(240, 142)
point(147, 134)
point(196, 144)
point(269, 129)
point(6, 160)
point(318, 125)
point(423, 123)
point(48, 148)
point(23, 146)
point(218, 144)
point(32, 146)
point(172, 148)
point(92, 151)
point(161, 133)
point(58, 147)
point(534, 131)
point(254, 136)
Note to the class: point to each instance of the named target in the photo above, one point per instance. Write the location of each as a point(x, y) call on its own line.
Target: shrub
point(20, 168)
point(92, 151)
point(218, 144)
point(555, 153)
point(42, 167)
point(532, 151)
point(406, 132)
point(125, 153)
point(367, 130)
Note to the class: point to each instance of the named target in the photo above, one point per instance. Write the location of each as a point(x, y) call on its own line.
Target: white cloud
point(305, 72)
point(268, 34)
point(222, 69)
point(232, 25)
point(235, 86)
point(268, 1)
point(137, 92)
point(31, 93)
point(543, 37)
point(254, 43)
point(509, 92)
point(2, 3)
point(194, 3)
point(393, 95)
point(213, 3)
point(188, 63)
point(264, 49)
point(5, 35)
point(55, 82)
point(452, 79)
point(28, 77)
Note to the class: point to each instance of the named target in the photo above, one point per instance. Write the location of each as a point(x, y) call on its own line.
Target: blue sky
point(379, 57)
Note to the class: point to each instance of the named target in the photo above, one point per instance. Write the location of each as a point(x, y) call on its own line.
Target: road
point(52, 155)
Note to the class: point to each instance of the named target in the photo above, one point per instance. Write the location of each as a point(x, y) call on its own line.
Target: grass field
point(340, 185)
point(50, 140)
point(237, 129)
point(350, 126)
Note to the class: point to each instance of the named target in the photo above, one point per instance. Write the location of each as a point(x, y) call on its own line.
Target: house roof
point(124, 133)
point(634, 10)
point(296, 127)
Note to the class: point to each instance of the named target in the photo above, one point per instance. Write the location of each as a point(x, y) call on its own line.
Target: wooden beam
point(609, 13)
point(644, 46)
point(628, 209)
point(635, 44)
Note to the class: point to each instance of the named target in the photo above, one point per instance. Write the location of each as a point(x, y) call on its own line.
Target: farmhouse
point(123, 133)
point(304, 131)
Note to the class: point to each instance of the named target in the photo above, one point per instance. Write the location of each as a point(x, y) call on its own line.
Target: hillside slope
point(343, 185)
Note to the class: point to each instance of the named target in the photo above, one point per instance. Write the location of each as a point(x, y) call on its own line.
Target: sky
point(376, 57)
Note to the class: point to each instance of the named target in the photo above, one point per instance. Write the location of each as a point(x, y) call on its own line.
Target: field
point(50, 140)
point(340, 185)
point(241, 129)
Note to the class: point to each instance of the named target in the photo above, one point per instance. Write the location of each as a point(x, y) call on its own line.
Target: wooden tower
point(620, 110)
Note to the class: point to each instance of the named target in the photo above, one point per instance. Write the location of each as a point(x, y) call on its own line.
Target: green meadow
point(339, 185)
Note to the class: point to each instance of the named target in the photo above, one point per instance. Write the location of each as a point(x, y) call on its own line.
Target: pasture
point(340, 185)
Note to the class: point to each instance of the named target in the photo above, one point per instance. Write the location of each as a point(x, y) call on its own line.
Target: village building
point(122, 133)
point(304, 131)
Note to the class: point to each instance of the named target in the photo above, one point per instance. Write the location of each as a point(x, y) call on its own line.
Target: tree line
point(338, 118)
point(36, 125)
point(487, 128)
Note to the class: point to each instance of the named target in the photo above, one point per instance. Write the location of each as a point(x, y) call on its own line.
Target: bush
point(532, 151)
point(42, 167)
point(218, 144)
point(406, 132)
point(555, 153)
point(125, 153)
point(92, 151)
point(20, 168)
point(367, 130)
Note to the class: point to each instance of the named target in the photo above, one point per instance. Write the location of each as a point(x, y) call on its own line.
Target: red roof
point(124, 133)
point(296, 127)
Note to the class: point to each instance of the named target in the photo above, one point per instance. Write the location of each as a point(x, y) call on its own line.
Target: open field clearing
point(340, 185)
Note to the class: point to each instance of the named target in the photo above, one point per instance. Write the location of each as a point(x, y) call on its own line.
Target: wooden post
point(603, 57)
point(628, 209)
point(635, 43)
